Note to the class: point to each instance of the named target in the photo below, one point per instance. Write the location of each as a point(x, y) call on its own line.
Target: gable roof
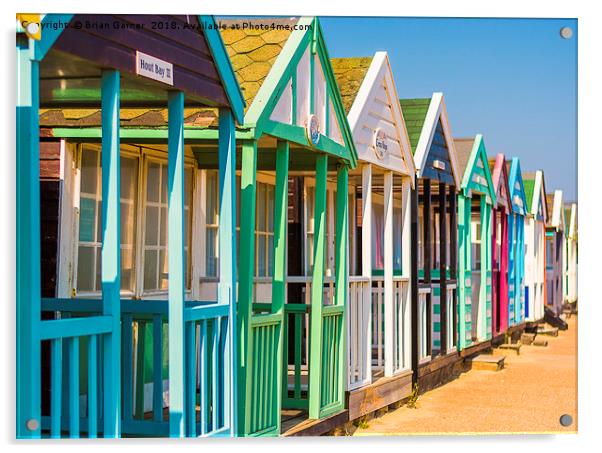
point(469, 152)
point(499, 176)
point(414, 114)
point(463, 147)
point(368, 87)
point(350, 73)
point(529, 186)
point(518, 199)
point(288, 81)
point(557, 218)
point(427, 123)
point(254, 51)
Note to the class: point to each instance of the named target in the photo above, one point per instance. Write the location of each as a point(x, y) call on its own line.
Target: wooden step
point(512, 346)
point(527, 338)
point(540, 342)
point(487, 362)
point(545, 330)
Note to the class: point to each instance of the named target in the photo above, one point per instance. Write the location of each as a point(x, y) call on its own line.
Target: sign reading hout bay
point(154, 68)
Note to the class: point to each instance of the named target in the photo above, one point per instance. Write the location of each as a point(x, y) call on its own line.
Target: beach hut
point(297, 151)
point(475, 204)
point(555, 250)
point(535, 252)
point(499, 251)
point(571, 255)
point(102, 112)
point(516, 247)
point(434, 241)
point(379, 322)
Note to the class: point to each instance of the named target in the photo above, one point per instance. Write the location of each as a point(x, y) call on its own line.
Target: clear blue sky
point(513, 80)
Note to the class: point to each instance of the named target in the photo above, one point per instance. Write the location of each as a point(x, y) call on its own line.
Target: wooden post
point(443, 266)
point(453, 258)
point(406, 265)
point(367, 267)
point(110, 253)
point(317, 288)
point(388, 272)
point(227, 255)
point(414, 281)
point(175, 241)
point(28, 244)
point(341, 270)
point(428, 248)
point(245, 283)
point(482, 313)
point(280, 260)
point(463, 246)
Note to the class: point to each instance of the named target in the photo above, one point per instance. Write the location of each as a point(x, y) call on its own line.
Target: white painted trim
point(379, 74)
point(388, 272)
point(67, 211)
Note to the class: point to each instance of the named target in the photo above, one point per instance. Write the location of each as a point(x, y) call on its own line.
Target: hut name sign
point(154, 68)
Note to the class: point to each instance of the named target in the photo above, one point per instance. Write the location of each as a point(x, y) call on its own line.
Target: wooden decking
point(380, 393)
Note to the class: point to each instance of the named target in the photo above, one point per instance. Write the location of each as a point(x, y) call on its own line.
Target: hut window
point(212, 224)
point(90, 221)
point(264, 231)
point(155, 231)
point(143, 232)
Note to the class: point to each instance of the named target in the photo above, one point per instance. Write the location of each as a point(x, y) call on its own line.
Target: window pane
point(98, 269)
point(152, 226)
point(128, 270)
point(150, 269)
point(261, 206)
point(128, 224)
point(211, 197)
point(87, 219)
point(261, 256)
point(99, 221)
point(89, 170)
point(270, 208)
point(211, 259)
point(187, 186)
point(163, 226)
point(163, 269)
point(152, 182)
point(270, 268)
point(163, 183)
point(129, 178)
point(85, 268)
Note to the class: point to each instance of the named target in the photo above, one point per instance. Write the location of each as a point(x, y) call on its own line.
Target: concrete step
point(487, 362)
point(527, 338)
point(512, 346)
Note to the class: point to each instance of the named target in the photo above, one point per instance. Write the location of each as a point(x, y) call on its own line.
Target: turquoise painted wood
point(28, 243)
point(227, 262)
point(516, 245)
point(110, 253)
point(175, 240)
point(475, 306)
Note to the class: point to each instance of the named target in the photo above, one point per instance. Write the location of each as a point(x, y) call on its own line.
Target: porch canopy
point(474, 240)
point(78, 62)
point(380, 262)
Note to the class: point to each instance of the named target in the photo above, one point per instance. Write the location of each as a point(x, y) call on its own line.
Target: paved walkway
point(528, 396)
